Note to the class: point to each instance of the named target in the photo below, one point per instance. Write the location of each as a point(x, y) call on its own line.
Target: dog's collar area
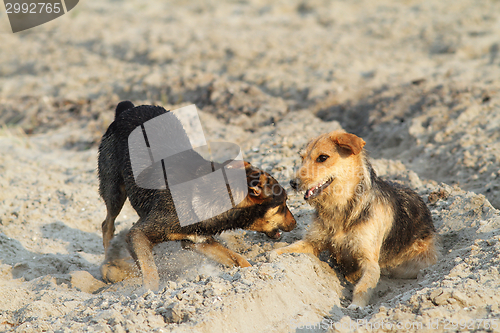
point(316, 190)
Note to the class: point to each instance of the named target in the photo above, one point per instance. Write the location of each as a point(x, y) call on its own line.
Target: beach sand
point(417, 80)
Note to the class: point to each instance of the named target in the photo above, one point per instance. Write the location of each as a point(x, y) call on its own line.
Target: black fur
point(412, 218)
point(123, 106)
point(156, 207)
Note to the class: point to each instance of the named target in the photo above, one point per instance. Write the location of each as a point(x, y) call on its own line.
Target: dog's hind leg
point(118, 270)
point(421, 254)
point(118, 264)
point(114, 196)
point(140, 247)
point(111, 185)
point(216, 251)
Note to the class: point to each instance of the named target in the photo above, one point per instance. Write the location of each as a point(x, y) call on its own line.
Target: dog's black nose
point(294, 184)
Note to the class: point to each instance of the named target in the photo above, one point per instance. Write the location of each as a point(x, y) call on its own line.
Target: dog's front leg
point(140, 247)
point(301, 246)
point(370, 275)
point(216, 251)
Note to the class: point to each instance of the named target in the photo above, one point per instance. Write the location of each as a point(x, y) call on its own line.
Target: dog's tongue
point(311, 193)
point(315, 191)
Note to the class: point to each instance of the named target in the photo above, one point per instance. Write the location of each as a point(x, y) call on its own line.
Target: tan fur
point(115, 268)
point(422, 254)
point(219, 253)
point(356, 246)
point(145, 260)
point(108, 230)
point(119, 269)
point(274, 218)
point(108, 227)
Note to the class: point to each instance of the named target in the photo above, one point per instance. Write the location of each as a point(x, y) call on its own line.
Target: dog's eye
point(322, 158)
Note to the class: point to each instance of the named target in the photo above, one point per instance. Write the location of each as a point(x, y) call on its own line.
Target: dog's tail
point(123, 106)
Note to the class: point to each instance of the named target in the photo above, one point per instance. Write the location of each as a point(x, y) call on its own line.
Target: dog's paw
point(118, 270)
point(242, 262)
point(272, 255)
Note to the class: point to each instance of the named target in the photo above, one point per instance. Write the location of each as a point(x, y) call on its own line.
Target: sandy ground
point(418, 80)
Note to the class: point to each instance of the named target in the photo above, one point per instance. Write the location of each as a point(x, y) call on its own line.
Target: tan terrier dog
point(366, 223)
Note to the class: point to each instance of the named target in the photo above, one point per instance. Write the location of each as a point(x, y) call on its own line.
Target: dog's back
point(114, 167)
point(410, 244)
point(412, 218)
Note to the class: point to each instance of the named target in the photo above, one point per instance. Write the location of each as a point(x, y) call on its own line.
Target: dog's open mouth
point(316, 190)
point(274, 234)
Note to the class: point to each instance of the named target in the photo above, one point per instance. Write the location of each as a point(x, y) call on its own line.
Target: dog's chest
point(341, 241)
point(342, 251)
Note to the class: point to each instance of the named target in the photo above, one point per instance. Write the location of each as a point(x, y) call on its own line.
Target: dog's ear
point(258, 186)
point(255, 191)
point(256, 178)
point(349, 141)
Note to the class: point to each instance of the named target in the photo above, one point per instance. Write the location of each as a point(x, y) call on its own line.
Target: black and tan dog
point(366, 223)
point(263, 209)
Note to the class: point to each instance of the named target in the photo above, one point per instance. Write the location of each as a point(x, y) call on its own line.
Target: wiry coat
point(366, 223)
